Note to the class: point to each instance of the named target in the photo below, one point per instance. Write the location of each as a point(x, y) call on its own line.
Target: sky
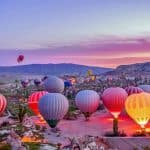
point(104, 33)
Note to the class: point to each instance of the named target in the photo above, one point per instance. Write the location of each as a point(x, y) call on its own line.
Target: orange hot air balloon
point(33, 102)
point(20, 58)
point(3, 104)
point(138, 108)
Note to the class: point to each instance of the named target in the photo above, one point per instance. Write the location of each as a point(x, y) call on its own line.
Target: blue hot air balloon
point(67, 84)
point(54, 84)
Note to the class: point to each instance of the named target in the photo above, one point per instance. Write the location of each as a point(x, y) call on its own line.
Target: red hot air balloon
point(33, 102)
point(3, 103)
point(20, 58)
point(114, 100)
point(133, 90)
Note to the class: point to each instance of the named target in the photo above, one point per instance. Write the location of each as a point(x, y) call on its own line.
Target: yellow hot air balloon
point(89, 73)
point(138, 108)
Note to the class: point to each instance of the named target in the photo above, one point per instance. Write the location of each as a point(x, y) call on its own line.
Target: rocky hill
point(133, 69)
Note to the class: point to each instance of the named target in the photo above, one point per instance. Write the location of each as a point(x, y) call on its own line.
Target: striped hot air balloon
point(54, 84)
point(138, 108)
point(3, 103)
point(133, 90)
point(114, 100)
point(33, 101)
point(53, 107)
point(87, 101)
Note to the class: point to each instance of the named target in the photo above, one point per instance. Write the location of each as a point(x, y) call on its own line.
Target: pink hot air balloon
point(133, 90)
point(87, 101)
point(3, 103)
point(114, 100)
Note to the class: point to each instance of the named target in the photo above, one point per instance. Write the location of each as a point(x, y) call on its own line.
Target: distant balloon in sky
point(20, 58)
point(87, 101)
point(114, 100)
point(33, 101)
point(138, 108)
point(53, 107)
point(145, 87)
point(3, 103)
point(133, 90)
point(54, 84)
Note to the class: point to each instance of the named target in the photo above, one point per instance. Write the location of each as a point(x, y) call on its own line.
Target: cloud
point(108, 51)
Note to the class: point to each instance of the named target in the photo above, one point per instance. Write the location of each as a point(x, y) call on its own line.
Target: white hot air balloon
point(87, 101)
point(53, 107)
point(145, 87)
point(54, 84)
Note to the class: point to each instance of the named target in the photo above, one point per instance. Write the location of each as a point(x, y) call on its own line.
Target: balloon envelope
point(34, 99)
point(54, 84)
point(24, 83)
point(87, 101)
point(53, 107)
point(3, 103)
point(133, 90)
point(138, 108)
point(67, 83)
point(114, 100)
point(37, 82)
point(20, 58)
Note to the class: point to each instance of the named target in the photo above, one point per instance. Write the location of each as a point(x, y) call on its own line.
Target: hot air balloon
point(114, 100)
point(54, 84)
point(37, 82)
point(133, 90)
point(87, 101)
point(20, 58)
point(53, 107)
point(146, 88)
point(138, 108)
point(89, 73)
point(3, 104)
point(44, 78)
point(33, 102)
point(24, 83)
point(67, 84)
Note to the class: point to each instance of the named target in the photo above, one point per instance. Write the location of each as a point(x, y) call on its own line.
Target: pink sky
point(107, 51)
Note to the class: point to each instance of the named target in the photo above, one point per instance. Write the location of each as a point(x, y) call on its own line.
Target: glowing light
point(138, 108)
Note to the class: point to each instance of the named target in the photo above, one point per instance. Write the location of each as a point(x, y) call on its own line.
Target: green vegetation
point(5, 147)
point(32, 146)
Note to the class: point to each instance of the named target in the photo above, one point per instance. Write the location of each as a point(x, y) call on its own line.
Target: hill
point(52, 69)
point(132, 70)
